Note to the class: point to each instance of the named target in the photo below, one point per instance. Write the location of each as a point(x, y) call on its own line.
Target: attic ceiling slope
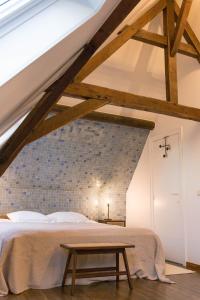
point(119, 41)
point(170, 41)
point(42, 108)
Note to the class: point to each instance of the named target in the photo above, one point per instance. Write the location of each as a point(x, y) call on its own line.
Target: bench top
point(97, 246)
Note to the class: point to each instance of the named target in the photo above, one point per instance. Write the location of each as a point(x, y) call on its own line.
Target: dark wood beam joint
point(159, 40)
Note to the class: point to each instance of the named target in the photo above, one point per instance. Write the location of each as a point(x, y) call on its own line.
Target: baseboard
point(192, 266)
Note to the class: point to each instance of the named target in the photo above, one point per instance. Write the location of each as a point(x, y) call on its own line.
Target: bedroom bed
point(31, 257)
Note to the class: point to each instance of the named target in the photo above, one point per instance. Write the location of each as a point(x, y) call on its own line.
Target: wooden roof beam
point(65, 116)
point(125, 35)
point(170, 62)
point(123, 99)
point(180, 27)
point(188, 50)
point(17, 141)
point(150, 38)
point(111, 118)
point(188, 33)
point(159, 40)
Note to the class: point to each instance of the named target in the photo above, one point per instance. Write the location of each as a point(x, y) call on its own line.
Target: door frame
point(153, 138)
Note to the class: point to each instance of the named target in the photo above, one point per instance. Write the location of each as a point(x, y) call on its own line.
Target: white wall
point(138, 204)
point(139, 193)
point(139, 69)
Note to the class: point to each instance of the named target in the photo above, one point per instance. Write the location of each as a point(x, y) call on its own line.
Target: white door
point(166, 191)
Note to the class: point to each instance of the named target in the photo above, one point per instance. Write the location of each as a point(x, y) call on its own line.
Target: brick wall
point(77, 168)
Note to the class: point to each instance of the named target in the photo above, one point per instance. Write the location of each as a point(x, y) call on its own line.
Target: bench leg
point(66, 268)
point(127, 269)
point(117, 268)
point(74, 272)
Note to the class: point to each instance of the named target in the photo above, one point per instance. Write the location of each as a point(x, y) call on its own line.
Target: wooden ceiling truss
point(175, 25)
point(129, 100)
point(19, 139)
point(66, 115)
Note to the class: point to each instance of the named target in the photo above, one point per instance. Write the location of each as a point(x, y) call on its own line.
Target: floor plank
point(187, 287)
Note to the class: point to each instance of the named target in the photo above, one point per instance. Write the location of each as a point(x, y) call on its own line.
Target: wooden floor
point(187, 287)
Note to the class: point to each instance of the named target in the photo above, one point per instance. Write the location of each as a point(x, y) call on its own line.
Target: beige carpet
point(171, 269)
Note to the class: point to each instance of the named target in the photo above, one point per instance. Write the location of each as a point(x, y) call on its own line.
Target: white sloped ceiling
point(33, 52)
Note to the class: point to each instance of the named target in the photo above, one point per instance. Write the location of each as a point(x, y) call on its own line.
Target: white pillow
point(27, 216)
point(68, 216)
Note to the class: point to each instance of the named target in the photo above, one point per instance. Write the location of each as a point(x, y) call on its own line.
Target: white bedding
point(30, 255)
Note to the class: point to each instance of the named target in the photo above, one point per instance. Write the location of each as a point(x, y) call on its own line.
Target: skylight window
point(10, 9)
point(39, 40)
point(30, 28)
point(3, 2)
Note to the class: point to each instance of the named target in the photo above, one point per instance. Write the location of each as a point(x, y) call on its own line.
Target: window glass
point(11, 8)
point(3, 2)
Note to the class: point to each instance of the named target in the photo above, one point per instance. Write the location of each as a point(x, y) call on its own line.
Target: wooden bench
point(96, 248)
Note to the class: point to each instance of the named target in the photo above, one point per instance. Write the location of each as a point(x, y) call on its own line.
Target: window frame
point(15, 12)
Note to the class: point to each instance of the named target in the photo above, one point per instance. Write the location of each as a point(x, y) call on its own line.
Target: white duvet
point(31, 256)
